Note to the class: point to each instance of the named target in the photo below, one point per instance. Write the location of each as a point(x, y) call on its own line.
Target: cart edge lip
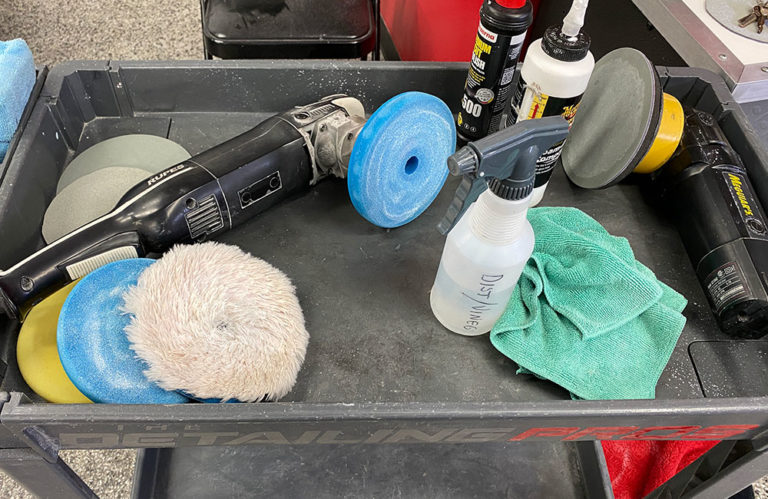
point(20, 409)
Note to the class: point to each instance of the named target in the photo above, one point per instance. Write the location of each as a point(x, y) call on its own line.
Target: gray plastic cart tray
point(405, 470)
point(379, 368)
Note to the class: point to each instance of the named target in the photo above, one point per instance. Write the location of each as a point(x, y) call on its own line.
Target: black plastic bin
point(379, 369)
point(288, 29)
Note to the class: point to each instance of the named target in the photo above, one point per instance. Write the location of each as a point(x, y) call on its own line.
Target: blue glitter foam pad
point(93, 347)
point(398, 164)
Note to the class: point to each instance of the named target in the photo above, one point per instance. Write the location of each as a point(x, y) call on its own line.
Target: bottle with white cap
point(552, 80)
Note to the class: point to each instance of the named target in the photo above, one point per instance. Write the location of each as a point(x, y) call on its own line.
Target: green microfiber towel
point(587, 315)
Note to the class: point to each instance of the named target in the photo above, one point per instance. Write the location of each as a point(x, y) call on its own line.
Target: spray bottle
point(553, 78)
point(500, 36)
point(485, 252)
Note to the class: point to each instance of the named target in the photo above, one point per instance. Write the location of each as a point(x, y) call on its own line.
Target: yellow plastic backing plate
point(38, 355)
point(667, 138)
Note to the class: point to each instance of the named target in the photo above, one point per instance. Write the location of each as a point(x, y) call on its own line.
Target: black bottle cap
point(564, 48)
point(511, 190)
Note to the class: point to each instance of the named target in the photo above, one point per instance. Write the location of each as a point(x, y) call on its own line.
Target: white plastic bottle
point(482, 260)
point(552, 80)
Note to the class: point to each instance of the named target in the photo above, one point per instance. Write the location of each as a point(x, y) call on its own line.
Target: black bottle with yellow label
point(500, 36)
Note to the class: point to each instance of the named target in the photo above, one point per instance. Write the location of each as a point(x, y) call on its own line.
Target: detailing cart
point(388, 403)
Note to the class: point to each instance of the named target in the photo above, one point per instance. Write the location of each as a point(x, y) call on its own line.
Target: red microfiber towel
point(637, 467)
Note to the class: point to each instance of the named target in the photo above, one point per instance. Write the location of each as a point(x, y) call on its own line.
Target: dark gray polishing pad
point(88, 198)
point(147, 152)
point(616, 122)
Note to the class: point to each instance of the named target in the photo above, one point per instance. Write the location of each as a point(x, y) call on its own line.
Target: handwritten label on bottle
point(481, 300)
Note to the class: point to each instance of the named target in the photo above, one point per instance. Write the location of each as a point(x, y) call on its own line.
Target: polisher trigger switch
point(79, 269)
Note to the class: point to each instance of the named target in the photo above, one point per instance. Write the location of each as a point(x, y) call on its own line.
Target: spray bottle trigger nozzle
point(469, 189)
point(509, 154)
point(463, 162)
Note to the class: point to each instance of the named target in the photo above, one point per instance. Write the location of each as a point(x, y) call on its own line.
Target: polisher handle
point(194, 200)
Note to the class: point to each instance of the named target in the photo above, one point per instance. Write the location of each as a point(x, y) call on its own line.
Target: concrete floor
point(108, 472)
point(58, 31)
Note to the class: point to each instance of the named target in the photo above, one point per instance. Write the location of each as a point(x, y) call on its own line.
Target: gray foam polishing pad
point(88, 198)
point(616, 122)
point(147, 152)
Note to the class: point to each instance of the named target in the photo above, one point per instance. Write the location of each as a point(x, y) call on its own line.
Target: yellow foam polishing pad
point(38, 355)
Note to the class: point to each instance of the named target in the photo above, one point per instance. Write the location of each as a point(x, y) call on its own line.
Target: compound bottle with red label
point(500, 36)
point(552, 80)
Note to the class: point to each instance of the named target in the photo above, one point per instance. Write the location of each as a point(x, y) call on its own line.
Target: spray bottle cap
point(567, 42)
point(504, 161)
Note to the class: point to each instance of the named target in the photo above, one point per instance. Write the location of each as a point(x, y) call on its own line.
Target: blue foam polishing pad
point(93, 348)
point(17, 78)
point(398, 164)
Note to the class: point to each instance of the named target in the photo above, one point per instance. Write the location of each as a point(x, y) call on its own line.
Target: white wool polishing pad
point(216, 323)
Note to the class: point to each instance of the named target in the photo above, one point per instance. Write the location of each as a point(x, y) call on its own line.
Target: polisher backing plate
point(398, 164)
point(38, 357)
point(147, 152)
point(616, 122)
point(88, 198)
point(93, 347)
